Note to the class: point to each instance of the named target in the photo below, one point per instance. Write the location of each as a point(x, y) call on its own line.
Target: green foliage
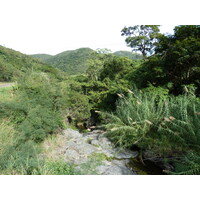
point(96, 63)
point(141, 38)
point(111, 81)
point(7, 134)
point(116, 68)
point(189, 164)
point(60, 168)
point(78, 106)
point(178, 58)
point(130, 55)
point(105, 80)
point(148, 73)
point(39, 122)
point(19, 159)
point(175, 62)
point(134, 117)
point(42, 57)
point(72, 62)
point(15, 158)
point(165, 126)
point(36, 109)
point(6, 93)
point(14, 64)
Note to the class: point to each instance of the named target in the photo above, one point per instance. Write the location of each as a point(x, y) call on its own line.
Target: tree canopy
point(141, 38)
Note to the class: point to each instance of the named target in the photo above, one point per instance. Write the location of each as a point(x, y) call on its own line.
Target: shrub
point(167, 127)
point(39, 122)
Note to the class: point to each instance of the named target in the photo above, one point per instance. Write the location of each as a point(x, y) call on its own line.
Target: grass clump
point(168, 127)
point(60, 168)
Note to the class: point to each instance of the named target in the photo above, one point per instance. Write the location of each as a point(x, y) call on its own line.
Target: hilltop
point(72, 61)
point(76, 61)
point(42, 57)
point(128, 54)
point(13, 64)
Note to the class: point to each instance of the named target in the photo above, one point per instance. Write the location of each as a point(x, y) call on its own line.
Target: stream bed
point(93, 153)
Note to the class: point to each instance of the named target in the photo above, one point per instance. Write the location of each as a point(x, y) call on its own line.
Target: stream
point(93, 153)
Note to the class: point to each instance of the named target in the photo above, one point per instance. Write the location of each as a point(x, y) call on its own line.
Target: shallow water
point(148, 168)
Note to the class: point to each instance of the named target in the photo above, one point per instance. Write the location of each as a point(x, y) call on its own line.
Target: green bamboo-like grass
point(167, 126)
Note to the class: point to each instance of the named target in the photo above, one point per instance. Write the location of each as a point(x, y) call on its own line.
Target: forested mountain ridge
point(41, 57)
point(128, 54)
point(13, 64)
point(72, 62)
point(76, 61)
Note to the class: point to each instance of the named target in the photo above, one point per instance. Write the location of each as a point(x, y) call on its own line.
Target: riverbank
point(92, 153)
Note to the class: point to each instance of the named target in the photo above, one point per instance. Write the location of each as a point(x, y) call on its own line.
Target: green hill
point(76, 61)
point(128, 54)
point(13, 64)
point(42, 57)
point(72, 62)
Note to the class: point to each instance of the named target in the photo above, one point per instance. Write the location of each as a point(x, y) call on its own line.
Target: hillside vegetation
point(72, 62)
point(42, 57)
point(14, 64)
point(78, 61)
point(128, 54)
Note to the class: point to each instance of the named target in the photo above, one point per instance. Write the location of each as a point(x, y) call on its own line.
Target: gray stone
point(95, 142)
point(86, 149)
point(126, 154)
point(81, 150)
point(114, 168)
point(105, 143)
point(72, 134)
point(71, 155)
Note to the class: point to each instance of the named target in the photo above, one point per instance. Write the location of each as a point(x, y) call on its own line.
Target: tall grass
point(167, 126)
point(6, 94)
point(26, 158)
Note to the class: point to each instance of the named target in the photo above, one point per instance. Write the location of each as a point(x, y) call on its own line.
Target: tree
point(116, 68)
point(103, 51)
point(141, 38)
point(180, 55)
point(96, 62)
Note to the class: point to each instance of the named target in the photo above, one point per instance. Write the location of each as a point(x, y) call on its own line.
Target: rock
point(90, 137)
point(108, 152)
point(92, 152)
point(125, 154)
point(86, 149)
point(72, 134)
point(114, 168)
point(72, 156)
point(105, 143)
point(95, 142)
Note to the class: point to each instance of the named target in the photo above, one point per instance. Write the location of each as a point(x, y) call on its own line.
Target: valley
point(84, 112)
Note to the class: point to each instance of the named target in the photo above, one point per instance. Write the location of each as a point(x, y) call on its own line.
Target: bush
point(167, 127)
point(39, 122)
